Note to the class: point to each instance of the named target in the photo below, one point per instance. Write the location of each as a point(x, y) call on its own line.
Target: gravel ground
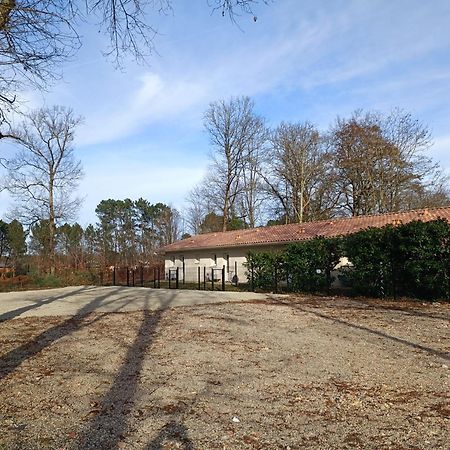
point(285, 373)
point(81, 300)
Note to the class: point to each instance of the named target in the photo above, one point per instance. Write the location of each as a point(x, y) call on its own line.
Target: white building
point(208, 254)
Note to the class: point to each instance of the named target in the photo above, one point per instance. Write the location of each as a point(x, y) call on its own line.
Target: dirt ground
point(286, 373)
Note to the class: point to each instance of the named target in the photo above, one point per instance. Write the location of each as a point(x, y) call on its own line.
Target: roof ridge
point(432, 208)
point(306, 230)
point(332, 219)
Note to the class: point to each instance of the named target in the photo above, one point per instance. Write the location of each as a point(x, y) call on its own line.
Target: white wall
point(232, 258)
point(237, 257)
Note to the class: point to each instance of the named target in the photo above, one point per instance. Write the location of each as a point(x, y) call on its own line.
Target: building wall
point(232, 258)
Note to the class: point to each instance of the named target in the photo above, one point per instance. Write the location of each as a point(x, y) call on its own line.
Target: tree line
point(368, 163)
point(128, 233)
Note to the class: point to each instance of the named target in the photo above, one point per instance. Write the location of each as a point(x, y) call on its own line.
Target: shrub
point(411, 259)
point(264, 269)
point(309, 264)
point(370, 253)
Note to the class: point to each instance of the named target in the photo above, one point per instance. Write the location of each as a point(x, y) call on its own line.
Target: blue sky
point(301, 60)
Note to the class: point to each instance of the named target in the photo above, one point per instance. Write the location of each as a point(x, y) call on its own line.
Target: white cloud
point(307, 46)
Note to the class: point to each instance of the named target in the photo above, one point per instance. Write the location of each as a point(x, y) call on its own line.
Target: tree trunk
point(51, 225)
point(6, 8)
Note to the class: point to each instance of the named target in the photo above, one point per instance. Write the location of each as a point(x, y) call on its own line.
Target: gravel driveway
point(281, 373)
point(81, 300)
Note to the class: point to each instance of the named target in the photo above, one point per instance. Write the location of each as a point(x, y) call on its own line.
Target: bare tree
point(44, 173)
point(252, 195)
point(200, 203)
point(297, 173)
point(381, 162)
point(233, 129)
point(36, 36)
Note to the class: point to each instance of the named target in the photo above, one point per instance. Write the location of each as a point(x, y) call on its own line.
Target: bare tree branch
point(44, 174)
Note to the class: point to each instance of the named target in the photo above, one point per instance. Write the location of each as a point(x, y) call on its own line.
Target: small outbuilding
point(229, 249)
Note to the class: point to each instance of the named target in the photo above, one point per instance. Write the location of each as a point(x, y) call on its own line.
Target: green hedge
point(409, 260)
point(303, 266)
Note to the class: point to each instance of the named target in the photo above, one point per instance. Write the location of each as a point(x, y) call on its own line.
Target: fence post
point(275, 279)
point(252, 278)
point(184, 271)
point(223, 278)
point(235, 274)
point(177, 277)
point(170, 286)
point(142, 276)
point(114, 276)
point(159, 278)
point(198, 276)
point(128, 277)
point(204, 278)
point(212, 278)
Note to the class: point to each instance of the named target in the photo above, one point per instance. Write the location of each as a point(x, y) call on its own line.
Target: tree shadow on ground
point(108, 427)
point(414, 312)
point(173, 432)
point(17, 312)
point(14, 358)
point(429, 350)
point(407, 307)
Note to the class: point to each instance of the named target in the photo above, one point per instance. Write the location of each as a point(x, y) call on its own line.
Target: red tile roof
point(283, 234)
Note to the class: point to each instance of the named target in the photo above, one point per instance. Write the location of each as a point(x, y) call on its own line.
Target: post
point(177, 277)
point(223, 278)
point(170, 287)
point(142, 276)
point(184, 270)
point(114, 276)
point(132, 278)
point(198, 277)
point(159, 278)
point(154, 277)
point(252, 278)
point(204, 278)
point(275, 279)
point(128, 277)
point(212, 278)
point(235, 273)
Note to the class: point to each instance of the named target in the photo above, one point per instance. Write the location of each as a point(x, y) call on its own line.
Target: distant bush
point(46, 281)
point(61, 278)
